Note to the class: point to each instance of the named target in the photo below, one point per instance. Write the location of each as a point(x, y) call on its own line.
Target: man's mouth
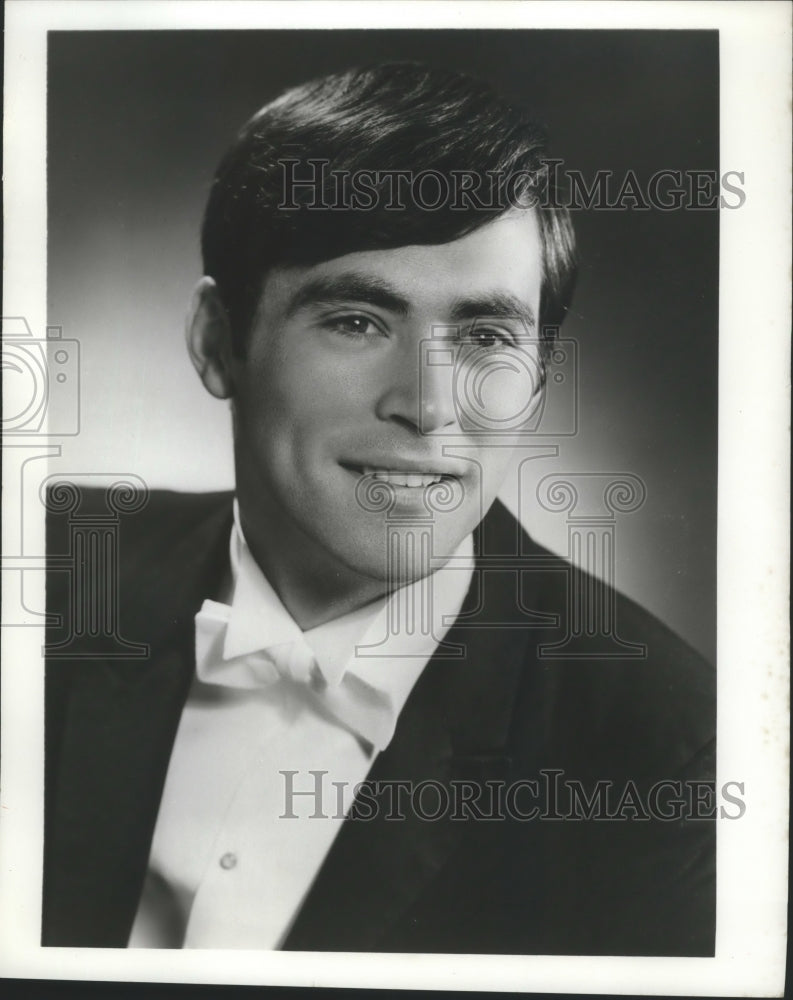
point(413, 479)
point(400, 477)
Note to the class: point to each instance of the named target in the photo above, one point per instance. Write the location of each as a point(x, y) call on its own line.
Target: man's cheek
point(494, 465)
point(499, 393)
point(514, 393)
point(316, 394)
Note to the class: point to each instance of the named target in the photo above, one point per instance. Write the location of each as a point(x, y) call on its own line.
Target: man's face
point(367, 384)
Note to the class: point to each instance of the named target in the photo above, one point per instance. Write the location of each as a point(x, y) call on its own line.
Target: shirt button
point(229, 860)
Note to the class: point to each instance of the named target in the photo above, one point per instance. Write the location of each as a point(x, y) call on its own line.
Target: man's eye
point(488, 337)
point(353, 325)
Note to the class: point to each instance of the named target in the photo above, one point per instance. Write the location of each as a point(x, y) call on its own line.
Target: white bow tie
point(358, 705)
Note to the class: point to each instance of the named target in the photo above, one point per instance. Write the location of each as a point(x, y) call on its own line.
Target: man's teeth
point(415, 479)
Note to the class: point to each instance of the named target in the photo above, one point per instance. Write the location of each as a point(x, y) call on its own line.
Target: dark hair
point(387, 118)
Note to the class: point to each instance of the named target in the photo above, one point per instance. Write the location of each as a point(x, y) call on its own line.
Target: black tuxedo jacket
point(502, 714)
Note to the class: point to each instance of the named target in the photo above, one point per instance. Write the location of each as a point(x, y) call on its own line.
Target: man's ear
point(208, 334)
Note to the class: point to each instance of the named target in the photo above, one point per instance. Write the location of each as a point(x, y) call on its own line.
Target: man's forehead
point(499, 262)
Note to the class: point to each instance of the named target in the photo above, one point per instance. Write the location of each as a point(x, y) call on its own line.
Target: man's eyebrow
point(493, 305)
point(349, 288)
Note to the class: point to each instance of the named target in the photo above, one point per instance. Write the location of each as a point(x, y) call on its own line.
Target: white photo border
point(753, 546)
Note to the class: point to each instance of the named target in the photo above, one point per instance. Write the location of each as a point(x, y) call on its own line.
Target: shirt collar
point(359, 642)
point(257, 619)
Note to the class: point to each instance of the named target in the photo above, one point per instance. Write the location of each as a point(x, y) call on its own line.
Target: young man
point(352, 731)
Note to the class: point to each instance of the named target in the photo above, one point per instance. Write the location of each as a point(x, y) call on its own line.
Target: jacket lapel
point(454, 726)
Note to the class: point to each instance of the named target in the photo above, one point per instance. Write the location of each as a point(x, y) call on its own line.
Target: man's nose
point(420, 392)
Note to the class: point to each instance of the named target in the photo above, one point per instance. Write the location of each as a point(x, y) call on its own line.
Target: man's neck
point(314, 587)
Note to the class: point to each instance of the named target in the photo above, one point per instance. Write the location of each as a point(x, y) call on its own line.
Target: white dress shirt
point(227, 868)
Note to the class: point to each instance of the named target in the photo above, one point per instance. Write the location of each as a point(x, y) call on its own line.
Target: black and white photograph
point(396, 531)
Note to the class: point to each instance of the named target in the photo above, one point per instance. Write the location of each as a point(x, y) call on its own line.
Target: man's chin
point(399, 553)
